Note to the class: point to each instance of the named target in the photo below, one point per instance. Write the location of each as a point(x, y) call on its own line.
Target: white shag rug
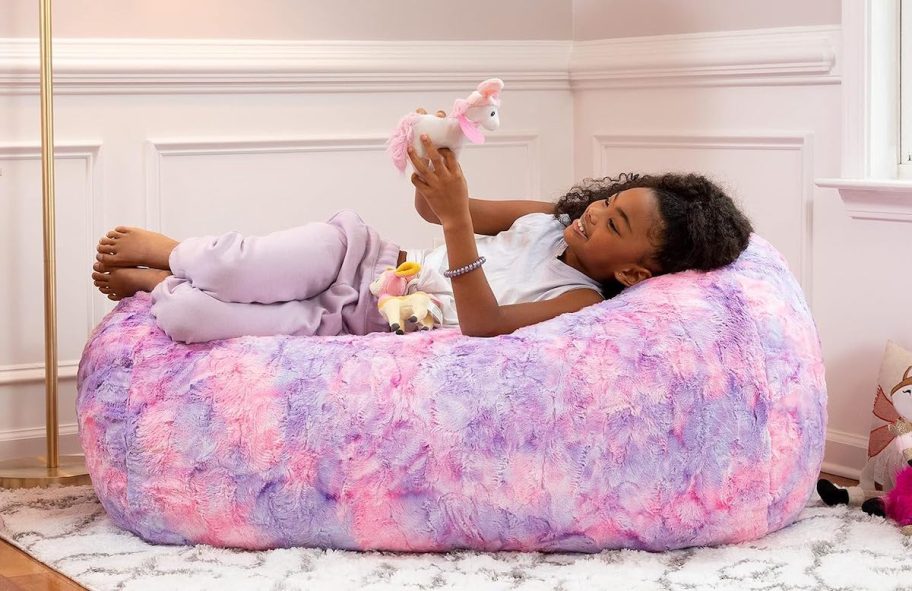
point(827, 548)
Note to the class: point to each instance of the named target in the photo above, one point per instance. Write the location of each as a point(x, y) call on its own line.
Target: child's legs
point(293, 264)
point(189, 315)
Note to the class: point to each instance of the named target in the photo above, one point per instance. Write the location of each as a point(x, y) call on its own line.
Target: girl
point(542, 259)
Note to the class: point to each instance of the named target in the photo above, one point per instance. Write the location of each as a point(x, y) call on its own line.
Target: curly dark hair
point(701, 227)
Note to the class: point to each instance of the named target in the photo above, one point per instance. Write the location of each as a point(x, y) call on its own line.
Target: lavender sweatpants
point(308, 280)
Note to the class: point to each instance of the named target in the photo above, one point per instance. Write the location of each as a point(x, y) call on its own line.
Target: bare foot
point(133, 247)
point(119, 283)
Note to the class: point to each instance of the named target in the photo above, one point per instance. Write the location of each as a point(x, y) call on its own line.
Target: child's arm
point(488, 217)
point(479, 313)
point(446, 193)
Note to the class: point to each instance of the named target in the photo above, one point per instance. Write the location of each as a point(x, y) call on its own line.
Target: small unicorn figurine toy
point(398, 306)
point(481, 109)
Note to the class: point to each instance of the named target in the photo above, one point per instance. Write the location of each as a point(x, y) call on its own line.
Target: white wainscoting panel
point(770, 174)
point(77, 205)
point(200, 186)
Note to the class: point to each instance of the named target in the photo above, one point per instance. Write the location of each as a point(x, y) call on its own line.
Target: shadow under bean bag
point(689, 410)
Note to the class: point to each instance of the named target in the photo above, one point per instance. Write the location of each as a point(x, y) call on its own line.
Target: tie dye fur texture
point(688, 411)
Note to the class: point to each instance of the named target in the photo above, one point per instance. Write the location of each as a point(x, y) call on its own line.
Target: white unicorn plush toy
point(481, 109)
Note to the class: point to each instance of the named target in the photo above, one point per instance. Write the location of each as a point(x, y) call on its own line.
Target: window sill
point(871, 199)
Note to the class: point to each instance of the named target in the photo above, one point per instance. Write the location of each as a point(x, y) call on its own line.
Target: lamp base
point(33, 472)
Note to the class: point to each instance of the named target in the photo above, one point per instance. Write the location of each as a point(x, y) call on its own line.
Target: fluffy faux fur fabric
point(690, 410)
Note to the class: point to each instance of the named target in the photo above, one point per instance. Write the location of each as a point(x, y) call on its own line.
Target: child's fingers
point(422, 111)
point(434, 155)
point(421, 165)
point(451, 163)
point(419, 182)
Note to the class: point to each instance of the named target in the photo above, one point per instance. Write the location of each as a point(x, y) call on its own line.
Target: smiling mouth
point(581, 228)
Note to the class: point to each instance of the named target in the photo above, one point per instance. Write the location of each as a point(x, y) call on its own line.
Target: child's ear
point(630, 276)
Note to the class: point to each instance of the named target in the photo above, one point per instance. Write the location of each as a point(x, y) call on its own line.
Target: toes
point(102, 277)
point(99, 267)
point(114, 297)
point(107, 241)
point(104, 259)
point(113, 235)
point(106, 249)
point(122, 229)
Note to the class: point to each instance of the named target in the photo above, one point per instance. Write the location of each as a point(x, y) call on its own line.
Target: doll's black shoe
point(874, 506)
point(832, 494)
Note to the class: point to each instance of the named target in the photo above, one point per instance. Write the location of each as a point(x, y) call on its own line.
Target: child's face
point(616, 241)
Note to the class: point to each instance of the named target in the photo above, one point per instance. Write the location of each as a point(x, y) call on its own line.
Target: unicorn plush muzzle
point(480, 110)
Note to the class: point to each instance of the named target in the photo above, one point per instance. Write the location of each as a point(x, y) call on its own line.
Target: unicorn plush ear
point(491, 88)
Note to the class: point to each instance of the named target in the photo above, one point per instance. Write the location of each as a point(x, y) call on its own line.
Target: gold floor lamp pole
point(52, 470)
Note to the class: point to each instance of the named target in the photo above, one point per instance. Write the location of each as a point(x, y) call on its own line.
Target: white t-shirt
point(521, 265)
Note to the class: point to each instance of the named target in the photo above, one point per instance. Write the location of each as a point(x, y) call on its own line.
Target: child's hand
point(444, 188)
point(423, 112)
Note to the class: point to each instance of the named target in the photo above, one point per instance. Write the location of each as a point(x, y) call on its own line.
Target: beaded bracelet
point(450, 273)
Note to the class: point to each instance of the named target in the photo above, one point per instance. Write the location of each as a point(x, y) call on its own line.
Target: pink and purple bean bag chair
point(690, 410)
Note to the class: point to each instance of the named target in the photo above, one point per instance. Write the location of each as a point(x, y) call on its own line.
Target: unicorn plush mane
point(479, 110)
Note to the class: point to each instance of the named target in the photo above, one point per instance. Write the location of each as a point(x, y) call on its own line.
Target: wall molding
point(799, 141)
point(781, 56)
point(169, 66)
point(159, 149)
point(787, 55)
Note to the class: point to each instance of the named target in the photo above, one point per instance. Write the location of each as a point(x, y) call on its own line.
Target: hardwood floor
point(21, 572)
point(839, 479)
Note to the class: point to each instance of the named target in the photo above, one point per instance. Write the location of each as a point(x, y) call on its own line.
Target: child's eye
point(612, 226)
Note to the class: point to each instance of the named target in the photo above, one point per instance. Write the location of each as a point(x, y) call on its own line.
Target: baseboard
point(845, 454)
point(23, 443)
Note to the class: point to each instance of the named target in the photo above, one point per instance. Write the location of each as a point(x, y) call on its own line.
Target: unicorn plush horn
point(468, 116)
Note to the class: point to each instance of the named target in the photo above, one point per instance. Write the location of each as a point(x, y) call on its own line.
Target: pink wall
point(410, 19)
point(610, 19)
point(296, 19)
